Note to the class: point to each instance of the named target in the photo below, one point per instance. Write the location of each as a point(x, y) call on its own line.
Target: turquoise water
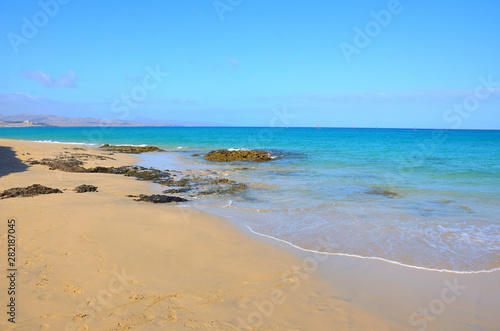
point(321, 193)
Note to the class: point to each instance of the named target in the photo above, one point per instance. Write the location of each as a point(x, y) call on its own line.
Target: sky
point(332, 63)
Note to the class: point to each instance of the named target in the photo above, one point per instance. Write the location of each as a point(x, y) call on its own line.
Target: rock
point(69, 165)
point(85, 188)
point(159, 198)
point(149, 174)
point(130, 149)
point(385, 193)
point(177, 190)
point(30, 191)
point(64, 164)
point(223, 186)
point(444, 201)
point(224, 155)
point(100, 170)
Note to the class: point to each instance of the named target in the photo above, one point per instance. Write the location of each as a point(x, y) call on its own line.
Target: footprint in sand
point(79, 317)
point(45, 297)
point(70, 288)
point(41, 284)
point(172, 317)
point(148, 317)
point(28, 264)
point(136, 297)
point(43, 280)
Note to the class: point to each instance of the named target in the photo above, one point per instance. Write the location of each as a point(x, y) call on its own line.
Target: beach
point(103, 261)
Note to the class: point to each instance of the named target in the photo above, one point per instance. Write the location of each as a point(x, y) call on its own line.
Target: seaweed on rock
point(225, 155)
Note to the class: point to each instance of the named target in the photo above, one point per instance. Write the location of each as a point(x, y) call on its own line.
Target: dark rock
point(130, 149)
point(385, 193)
point(223, 186)
point(120, 170)
point(68, 164)
point(30, 191)
point(159, 198)
point(229, 189)
point(177, 190)
point(101, 170)
point(149, 174)
point(85, 188)
point(225, 155)
point(202, 185)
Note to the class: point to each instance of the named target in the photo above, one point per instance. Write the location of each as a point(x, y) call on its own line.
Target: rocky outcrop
point(191, 185)
point(30, 191)
point(224, 155)
point(85, 188)
point(70, 164)
point(159, 198)
point(130, 149)
point(222, 186)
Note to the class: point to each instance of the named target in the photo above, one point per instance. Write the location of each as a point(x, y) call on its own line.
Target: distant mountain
point(54, 120)
point(21, 124)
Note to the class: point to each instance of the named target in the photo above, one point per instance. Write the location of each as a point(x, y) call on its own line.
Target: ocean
point(425, 199)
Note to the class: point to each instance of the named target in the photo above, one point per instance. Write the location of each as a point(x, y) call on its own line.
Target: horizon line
point(255, 127)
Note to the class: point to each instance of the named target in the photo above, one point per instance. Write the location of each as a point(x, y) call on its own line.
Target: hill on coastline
point(30, 120)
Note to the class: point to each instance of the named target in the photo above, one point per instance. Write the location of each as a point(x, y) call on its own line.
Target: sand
point(102, 261)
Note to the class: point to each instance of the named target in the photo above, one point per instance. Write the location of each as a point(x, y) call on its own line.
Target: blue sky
point(423, 63)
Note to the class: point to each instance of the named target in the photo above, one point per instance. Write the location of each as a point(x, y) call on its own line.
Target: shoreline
point(373, 257)
point(316, 287)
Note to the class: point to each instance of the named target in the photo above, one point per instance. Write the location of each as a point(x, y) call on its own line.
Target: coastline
point(195, 270)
